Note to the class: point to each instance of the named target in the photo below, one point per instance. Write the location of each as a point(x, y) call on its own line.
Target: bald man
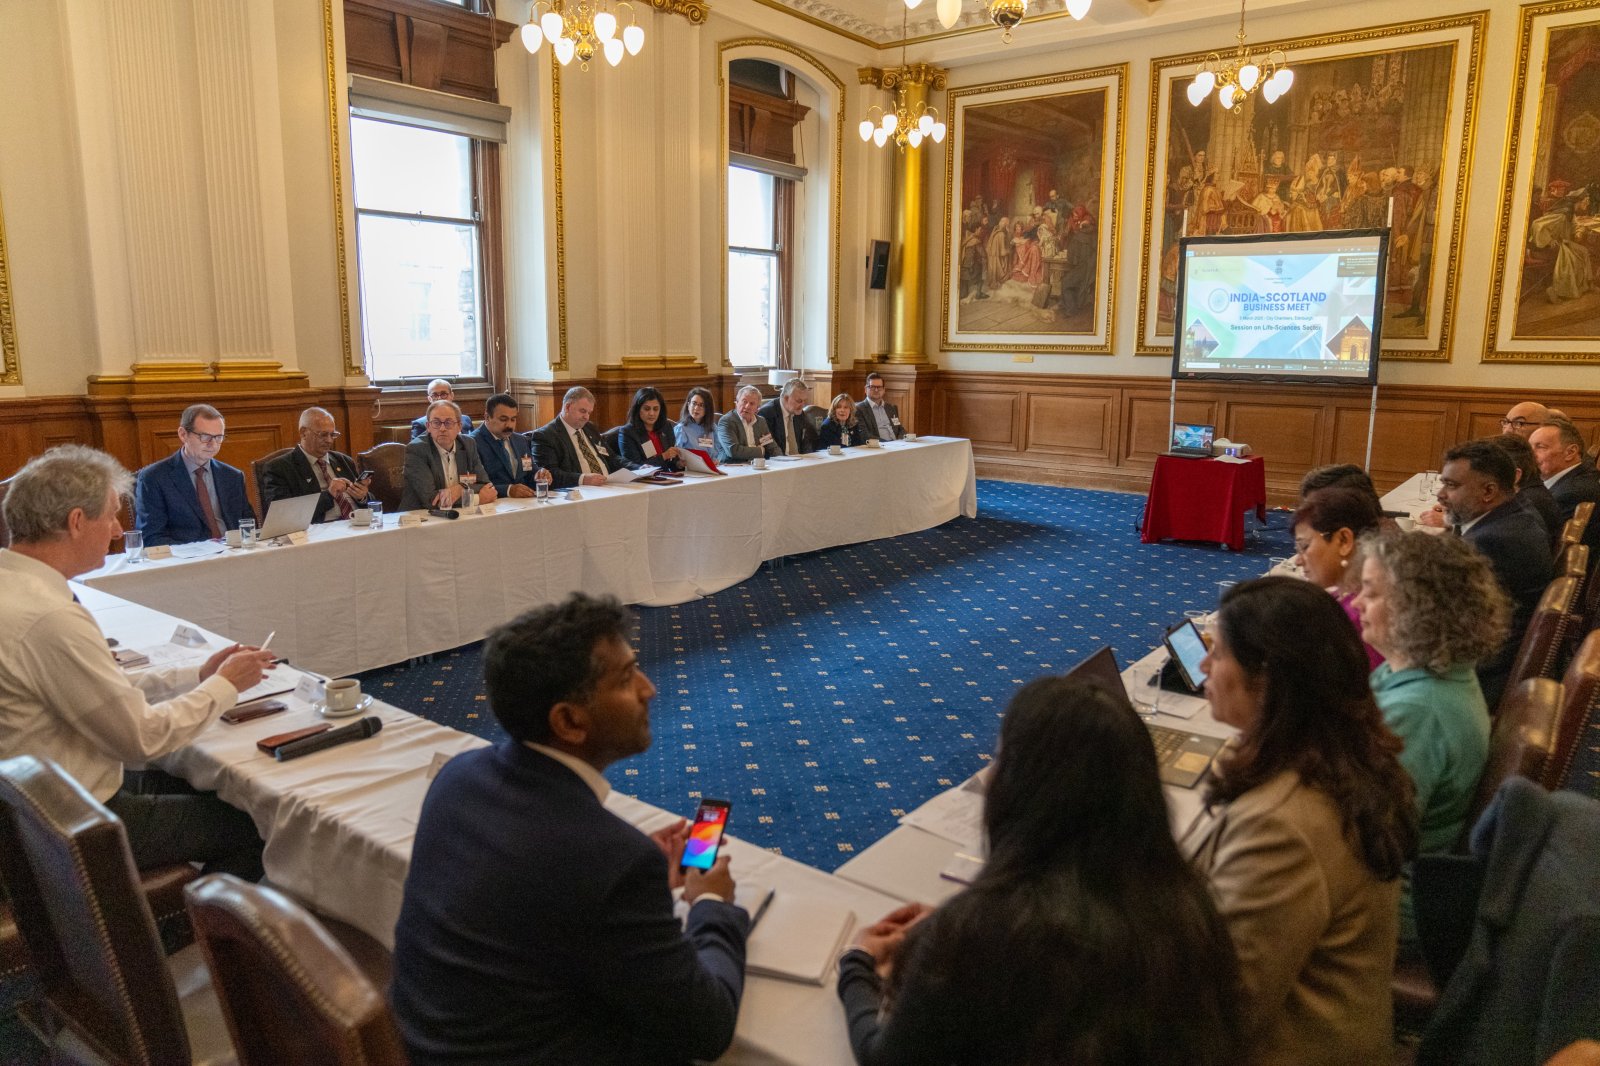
point(314, 466)
point(1524, 418)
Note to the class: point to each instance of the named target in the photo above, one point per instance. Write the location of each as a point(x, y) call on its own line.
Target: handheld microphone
point(333, 738)
point(443, 513)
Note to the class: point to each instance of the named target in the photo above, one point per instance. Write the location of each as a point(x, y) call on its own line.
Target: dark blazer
point(778, 421)
point(492, 454)
point(419, 426)
point(731, 447)
point(631, 441)
point(869, 421)
point(537, 928)
point(292, 475)
point(833, 433)
point(167, 509)
point(424, 473)
point(553, 450)
point(1542, 504)
point(1578, 486)
point(1513, 539)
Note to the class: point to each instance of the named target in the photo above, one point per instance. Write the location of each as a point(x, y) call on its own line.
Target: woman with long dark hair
point(697, 422)
point(1309, 821)
point(1086, 939)
point(648, 437)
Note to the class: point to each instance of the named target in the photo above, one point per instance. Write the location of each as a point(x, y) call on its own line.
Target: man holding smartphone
point(316, 466)
point(538, 927)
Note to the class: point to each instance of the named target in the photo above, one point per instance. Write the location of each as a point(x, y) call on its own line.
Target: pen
point(765, 903)
point(267, 643)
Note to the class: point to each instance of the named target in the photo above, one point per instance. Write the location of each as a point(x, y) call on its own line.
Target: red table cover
point(1203, 499)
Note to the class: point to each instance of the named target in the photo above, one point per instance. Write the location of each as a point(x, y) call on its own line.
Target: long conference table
point(353, 599)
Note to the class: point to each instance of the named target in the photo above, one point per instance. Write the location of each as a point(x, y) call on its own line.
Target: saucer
point(362, 704)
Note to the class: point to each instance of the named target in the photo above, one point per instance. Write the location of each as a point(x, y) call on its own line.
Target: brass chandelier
point(581, 30)
point(1241, 74)
point(1003, 13)
point(906, 126)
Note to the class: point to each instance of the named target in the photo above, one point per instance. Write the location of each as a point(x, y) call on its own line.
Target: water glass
point(1147, 700)
point(133, 546)
point(247, 532)
point(376, 507)
point(1430, 484)
point(541, 491)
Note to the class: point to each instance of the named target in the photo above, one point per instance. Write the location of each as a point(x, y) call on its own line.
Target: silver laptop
point(289, 516)
point(1192, 440)
point(1184, 757)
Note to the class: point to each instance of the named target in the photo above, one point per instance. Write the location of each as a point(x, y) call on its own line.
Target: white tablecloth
point(353, 599)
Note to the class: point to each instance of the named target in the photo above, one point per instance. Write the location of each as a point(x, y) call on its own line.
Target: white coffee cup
point(361, 517)
point(1406, 524)
point(233, 537)
point(759, 462)
point(342, 694)
point(874, 442)
point(834, 449)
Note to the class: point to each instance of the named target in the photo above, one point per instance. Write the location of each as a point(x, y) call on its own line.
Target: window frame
point(783, 199)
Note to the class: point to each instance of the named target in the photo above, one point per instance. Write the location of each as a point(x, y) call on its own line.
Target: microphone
point(445, 512)
point(333, 738)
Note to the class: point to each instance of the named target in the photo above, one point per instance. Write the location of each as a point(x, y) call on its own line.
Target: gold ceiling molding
point(10, 363)
point(837, 206)
point(696, 11)
point(336, 152)
point(979, 25)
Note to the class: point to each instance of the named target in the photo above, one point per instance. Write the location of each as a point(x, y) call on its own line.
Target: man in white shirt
point(1558, 450)
point(787, 420)
point(570, 448)
point(63, 697)
point(742, 434)
point(880, 419)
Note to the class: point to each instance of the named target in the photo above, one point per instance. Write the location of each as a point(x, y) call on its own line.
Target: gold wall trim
point(837, 206)
point(1492, 352)
point(352, 368)
point(1112, 156)
point(560, 362)
point(694, 10)
point(1476, 21)
point(10, 361)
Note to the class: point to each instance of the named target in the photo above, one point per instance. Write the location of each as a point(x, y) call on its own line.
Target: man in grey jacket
point(436, 464)
point(742, 435)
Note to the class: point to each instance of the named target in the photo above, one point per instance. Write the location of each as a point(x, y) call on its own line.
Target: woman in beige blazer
point(1308, 822)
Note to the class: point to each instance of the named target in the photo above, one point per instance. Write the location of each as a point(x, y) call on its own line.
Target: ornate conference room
point(769, 499)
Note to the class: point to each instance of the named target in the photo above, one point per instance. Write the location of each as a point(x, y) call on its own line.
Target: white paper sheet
point(956, 815)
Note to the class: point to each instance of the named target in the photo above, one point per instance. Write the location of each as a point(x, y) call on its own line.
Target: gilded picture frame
point(1377, 129)
point(1040, 156)
point(1544, 304)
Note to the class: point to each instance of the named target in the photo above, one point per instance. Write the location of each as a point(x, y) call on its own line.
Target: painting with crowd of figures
point(1546, 304)
point(1371, 134)
point(1030, 242)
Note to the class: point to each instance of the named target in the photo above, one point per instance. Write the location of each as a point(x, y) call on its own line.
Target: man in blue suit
point(538, 927)
point(506, 455)
point(191, 496)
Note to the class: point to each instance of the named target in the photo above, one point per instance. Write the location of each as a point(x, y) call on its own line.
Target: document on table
point(170, 654)
point(798, 938)
point(621, 476)
point(199, 549)
point(278, 680)
point(956, 815)
point(1229, 459)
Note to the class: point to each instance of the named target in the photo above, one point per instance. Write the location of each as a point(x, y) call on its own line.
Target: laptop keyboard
point(1168, 743)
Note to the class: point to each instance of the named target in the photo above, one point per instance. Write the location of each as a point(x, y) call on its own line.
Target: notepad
point(799, 937)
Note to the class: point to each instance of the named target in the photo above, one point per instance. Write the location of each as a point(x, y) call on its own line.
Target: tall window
point(419, 244)
point(758, 267)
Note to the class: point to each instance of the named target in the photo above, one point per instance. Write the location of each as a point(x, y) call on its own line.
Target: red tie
point(205, 503)
point(345, 506)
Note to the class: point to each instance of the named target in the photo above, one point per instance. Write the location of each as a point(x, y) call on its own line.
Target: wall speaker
point(878, 266)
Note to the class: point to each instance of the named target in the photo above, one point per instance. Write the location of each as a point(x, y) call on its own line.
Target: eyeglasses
point(1519, 423)
point(206, 438)
point(328, 434)
point(444, 423)
point(1300, 546)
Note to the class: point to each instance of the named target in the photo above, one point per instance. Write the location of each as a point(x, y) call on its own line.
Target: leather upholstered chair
point(1580, 700)
point(1523, 740)
point(1540, 651)
point(258, 468)
point(388, 464)
point(105, 984)
point(289, 991)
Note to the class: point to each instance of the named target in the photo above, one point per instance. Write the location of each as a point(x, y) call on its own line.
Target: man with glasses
point(1524, 418)
point(191, 496)
point(882, 420)
point(435, 465)
point(438, 389)
point(314, 466)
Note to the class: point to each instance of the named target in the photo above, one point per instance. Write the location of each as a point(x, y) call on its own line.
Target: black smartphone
point(1187, 648)
point(365, 475)
point(705, 834)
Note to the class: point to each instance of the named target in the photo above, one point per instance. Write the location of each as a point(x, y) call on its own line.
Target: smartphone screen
point(1188, 648)
point(705, 835)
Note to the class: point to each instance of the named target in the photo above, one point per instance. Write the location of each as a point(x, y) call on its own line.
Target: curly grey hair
point(53, 485)
point(1445, 605)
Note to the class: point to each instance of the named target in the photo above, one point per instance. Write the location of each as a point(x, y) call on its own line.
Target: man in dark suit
point(314, 466)
point(506, 454)
point(435, 466)
point(882, 420)
point(190, 496)
point(438, 389)
point(786, 418)
point(538, 927)
point(1477, 489)
point(570, 448)
point(1558, 449)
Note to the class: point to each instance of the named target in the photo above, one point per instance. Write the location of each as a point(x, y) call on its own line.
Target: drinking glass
point(1430, 484)
point(247, 532)
point(376, 507)
point(133, 546)
point(1147, 699)
point(541, 491)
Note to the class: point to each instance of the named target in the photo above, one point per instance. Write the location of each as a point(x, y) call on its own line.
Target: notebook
point(798, 938)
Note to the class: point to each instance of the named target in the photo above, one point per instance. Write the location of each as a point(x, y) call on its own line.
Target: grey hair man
point(439, 466)
point(438, 389)
point(742, 434)
point(62, 695)
point(315, 466)
point(570, 447)
point(792, 429)
point(1558, 449)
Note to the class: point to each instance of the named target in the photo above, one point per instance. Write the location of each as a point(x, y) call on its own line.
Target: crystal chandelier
point(582, 29)
point(1241, 74)
point(905, 126)
point(1003, 13)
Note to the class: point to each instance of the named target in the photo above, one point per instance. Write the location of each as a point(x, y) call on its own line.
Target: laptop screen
point(1187, 436)
point(1100, 670)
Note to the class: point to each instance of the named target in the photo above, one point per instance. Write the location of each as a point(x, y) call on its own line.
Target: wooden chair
point(1523, 740)
point(1539, 653)
point(104, 979)
point(1580, 699)
point(289, 991)
point(387, 462)
point(258, 474)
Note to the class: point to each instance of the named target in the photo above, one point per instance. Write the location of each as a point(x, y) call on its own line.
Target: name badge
point(527, 463)
point(601, 448)
point(309, 690)
point(649, 450)
point(189, 637)
point(895, 419)
point(706, 442)
point(299, 536)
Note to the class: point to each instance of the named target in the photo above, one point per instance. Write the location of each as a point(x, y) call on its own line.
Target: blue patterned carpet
point(829, 695)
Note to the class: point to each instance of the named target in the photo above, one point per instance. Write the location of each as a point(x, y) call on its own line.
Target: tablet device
point(1187, 648)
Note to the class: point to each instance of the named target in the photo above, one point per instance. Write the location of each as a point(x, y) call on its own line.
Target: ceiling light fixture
point(582, 30)
point(1003, 13)
point(1241, 74)
point(906, 126)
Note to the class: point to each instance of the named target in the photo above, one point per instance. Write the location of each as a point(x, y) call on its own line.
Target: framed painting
point(1033, 196)
point(1375, 131)
point(1545, 297)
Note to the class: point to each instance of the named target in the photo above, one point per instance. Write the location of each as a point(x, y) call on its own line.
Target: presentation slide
point(1281, 306)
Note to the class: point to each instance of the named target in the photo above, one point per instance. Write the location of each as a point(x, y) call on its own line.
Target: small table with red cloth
point(1203, 499)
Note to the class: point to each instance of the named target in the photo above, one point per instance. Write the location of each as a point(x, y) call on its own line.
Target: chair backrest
point(1538, 654)
point(87, 926)
point(387, 462)
point(1583, 514)
point(1523, 739)
point(290, 993)
point(818, 415)
point(1571, 532)
point(258, 474)
point(612, 439)
point(1580, 699)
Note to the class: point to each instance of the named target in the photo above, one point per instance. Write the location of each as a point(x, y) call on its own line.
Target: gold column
point(908, 285)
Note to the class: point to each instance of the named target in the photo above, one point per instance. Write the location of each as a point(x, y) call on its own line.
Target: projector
point(1224, 446)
